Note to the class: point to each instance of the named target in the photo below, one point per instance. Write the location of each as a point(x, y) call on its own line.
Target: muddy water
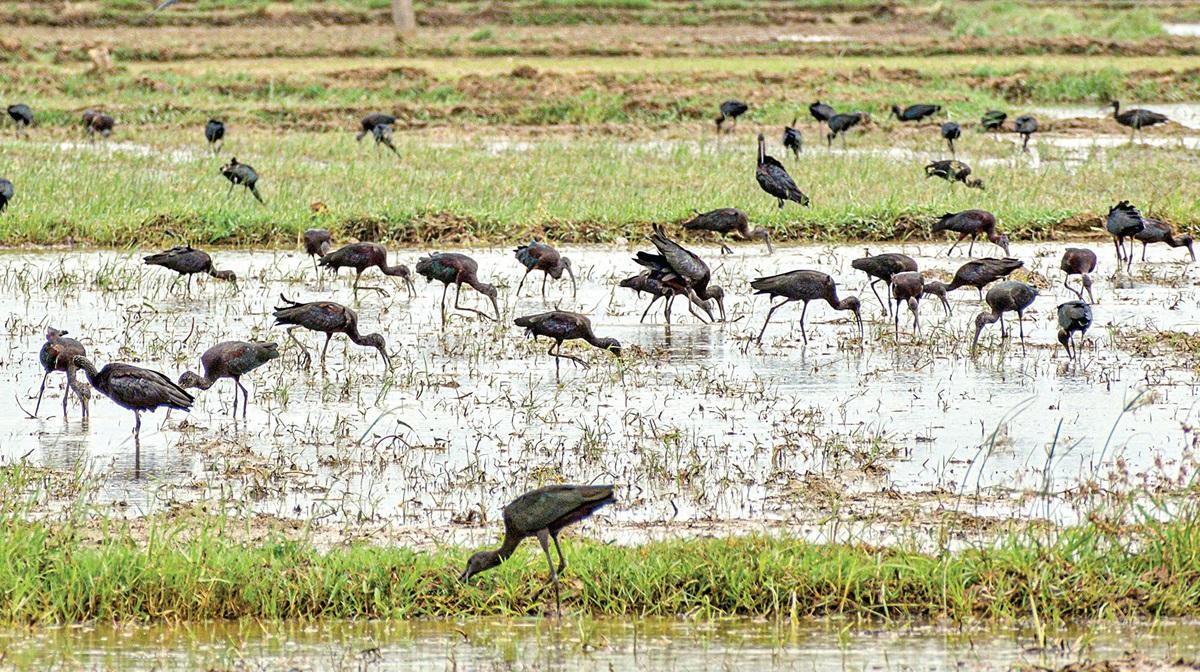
point(702, 428)
point(574, 645)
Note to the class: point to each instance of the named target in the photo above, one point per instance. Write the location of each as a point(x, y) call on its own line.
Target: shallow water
point(1185, 114)
point(698, 425)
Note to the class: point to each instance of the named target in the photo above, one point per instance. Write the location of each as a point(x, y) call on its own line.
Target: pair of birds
point(1125, 221)
point(1026, 125)
point(1074, 317)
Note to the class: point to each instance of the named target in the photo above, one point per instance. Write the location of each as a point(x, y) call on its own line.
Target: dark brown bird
point(538, 256)
point(452, 268)
point(646, 282)
point(240, 173)
point(561, 325)
point(1081, 262)
point(908, 288)
point(1074, 317)
point(881, 268)
point(6, 193)
point(804, 286)
point(821, 112)
point(58, 354)
point(97, 122)
point(971, 223)
point(360, 257)
point(383, 136)
point(1136, 119)
point(915, 112)
point(1026, 125)
point(135, 388)
point(317, 243)
point(188, 261)
point(1124, 221)
point(329, 318)
point(726, 221)
point(993, 120)
point(792, 139)
point(22, 116)
point(372, 120)
point(978, 274)
point(953, 170)
point(684, 273)
point(839, 124)
point(951, 131)
point(773, 178)
point(731, 109)
point(542, 513)
point(1007, 297)
point(230, 359)
point(1158, 231)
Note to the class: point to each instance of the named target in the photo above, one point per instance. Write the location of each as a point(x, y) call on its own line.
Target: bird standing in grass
point(1079, 261)
point(188, 261)
point(329, 318)
point(804, 286)
point(230, 359)
point(1074, 317)
point(726, 221)
point(915, 112)
point(1026, 125)
point(98, 122)
point(731, 109)
point(58, 353)
point(773, 178)
point(21, 115)
point(7, 191)
point(821, 112)
point(971, 223)
point(951, 131)
point(135, 388)
point(839, 124)
point(383, 136)
point(372, 120)
point(360, 257)
point(214, 133)
point(538, 256)
point(953, 170)
point(993, 120)
point(542, 513)
point(1007, 297)
point(452, 268)
point(240, 173)
point(792, 139)
point(561, 325)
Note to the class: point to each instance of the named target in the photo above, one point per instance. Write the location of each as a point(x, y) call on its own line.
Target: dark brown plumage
point(646, 282)
point(1006, 297)
point(951, 131)
point(98, 122)
point(1079, 261)
point(683, 272)
point(329, 318)
point(1158, 231)
point(978, 274)
point(1074, 317)
point(230, 359)
point(953, 170)
point(372, 120)
point(1026, 125)
point(773, 178)
point(317, 243)
point(538, 256)
point(188, 261)
point(135, 388)
point(804, 286)
point(731, 109)
point(915, 112)
point(792, 140)
point(561, 325)
point(240, 173)
point(452, 268)
point(727, 221)
point(971, 223)
point(58, 354)
point(1136, 119)
point(360, 257)
point(908, 288)
point(1124, 221)
point(839, 124)
point(881, 268)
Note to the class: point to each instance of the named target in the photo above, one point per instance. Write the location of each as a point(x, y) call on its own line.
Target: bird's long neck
point(352, 332)
point(509, 546)
point(204, 382)
point(398, 269)
point(833, 300)
point(477, 284)
point(89, 370)
point(1116, 109)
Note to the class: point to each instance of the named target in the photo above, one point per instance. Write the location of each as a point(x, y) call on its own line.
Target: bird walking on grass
point(97, 122)
point(58, 353)
point(804, 286)
point(328, 318)
point(452, 268)
point(383, 136)
point(993, 120)
point(230, 359)
point(951, 131)
point(372, 120)
point(773, 178)
point(915, 112)
point(538, 256)
point(839, 124)
point(561, 325)
point(731, 109)
point(1007, 297)
point(792, 140)
point(727, 221)
point(240, 173)
point(360, 257)
point(214, 133)
point(953, 170)
point(821, 111)
point(1026, 125)
point(7, 191)
point(22, 116)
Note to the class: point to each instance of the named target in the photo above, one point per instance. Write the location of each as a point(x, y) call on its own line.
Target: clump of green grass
point(1013, 18)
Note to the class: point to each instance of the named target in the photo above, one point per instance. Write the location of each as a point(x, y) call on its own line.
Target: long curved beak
point(721, 306)
point(858, 317)
point(496, 307)
point(387, 361)
point(462, 578)
point(412, 288)
point(575, 288)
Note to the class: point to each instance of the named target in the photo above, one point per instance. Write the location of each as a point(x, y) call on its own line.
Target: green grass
point(1011, 18)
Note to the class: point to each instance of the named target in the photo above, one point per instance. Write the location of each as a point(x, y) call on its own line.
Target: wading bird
point(792, 139)
point(372, 120)
point(1124, 221)
point(731, 109)
point(840, 123)
point(383, 136)
point(542, 513)
point(7, 191)
point(538, 256)
point(821, 112)
point(230, 359)
point(1079, 261)
point(1026, 125)
point(134, 388)
point(1074, 317)
point(773, 178)
point(682, 272)
point(646, 282)
point(360, 257)
point(21, 115)
point(187, 261)
point(58, 354)
point(907, 287)
point(1007, 297)
point(317, 243)
point(971, 223)
point(98, 122)
point(726, 221)
point(329, 318)
point(951, 131)
point(1136, 119)
point(452, 268)
point(1158, 231)
point(915, 112)
point(214, 133)
point(881, 268)
point(953, 170)
point(240, 173)
point(561, 325)
point(993, 120)
point(804, 286)
point(978, 274)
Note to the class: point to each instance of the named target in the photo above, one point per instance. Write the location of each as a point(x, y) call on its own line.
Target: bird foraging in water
point(383, 136)
point(329, 318)
point(317, 243)
point(792, 139)
point(953, 170)
point(907, 287)
point(372, 120)
point(542, 513)
point(58, 354)
point(804, 286)
point(561, 325)
point(821, 112)
point(978, 274)
point(538, 256)
point(1074, 317)
point(360, 257)
point(646, 282)
point(993, 120)
point(21, 115)
point(1007, 297)
point(881, 267)
point(951, 131)
point(1124, 221)
point(1136, 119)
point(731, 109)
point(6, 193)
point(726, 221)
point(683, 273)
point(1079, 261)
point(1026, 125)
point(187, 261)
point(240, 173)
point(230, 359)
point(971, 223)
point(134, 388)
point(452, 268)
point(773, 178)
point(915, 112)
point(214, 133)
point(1158, 231)
point(840, 123)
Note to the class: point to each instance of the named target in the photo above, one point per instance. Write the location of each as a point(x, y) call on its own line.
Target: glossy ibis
point(804, 286)
point(360, 257)
point(951, 131)
point(978, 274)
point(684, 273)
point(993, 120)
point(1136, 119)
point(1074, 317)
point(953, 170)
point(1007, 297)
point(881, 268)
point(98, 122)
point(134, 388)
point(1124, 221)
point(214, 133)
point(648, 283)
point(1158, 231)
point(542, 513)
point(1026, 125)
point(774, 178)
point(21, 115)
point(1079, 261)
point(58, 354)
point(840, 123)
point(452, 268)
point(329, 318)
point(971, 223)
point(187, 261)
point(372, 120)
point(241, 173)
point(726, 221)
point(907, 287)
point(383, 136)
point(538, 256)
point(821, 112)
point(731, 109)
point(561, 325)
point(7, 191)
point(317, 243)
point(230, 359)
point(792, 139)
point(915, 112)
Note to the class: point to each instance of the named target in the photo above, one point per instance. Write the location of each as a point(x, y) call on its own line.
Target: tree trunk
point(404, 18)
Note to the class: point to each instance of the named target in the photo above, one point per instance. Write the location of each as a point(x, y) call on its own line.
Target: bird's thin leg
point(971, 249)
point(725, 248)
point(233, 411)
point(522, 282)
point(64, 397)
point(40, 392)
point(305, 356)
point(1021, 328)
point(1117, 247)
point(1078, 293)
point(692, 310)
point(667, 309)
point(980, 290)
point(647, 311)
point(556, 351)
point(544, 540)
point(916, 318)
point(769, 314)
point(896, 315)
point(961, 237)
point(445, 289)
point(328, 338)
point(137, 423)
point(802, 314)
point(876, 293)
point(457, 294)
point(1143, 252)
point(545, 275)
point(562, 561)
point(245, 397)
point(77, 388)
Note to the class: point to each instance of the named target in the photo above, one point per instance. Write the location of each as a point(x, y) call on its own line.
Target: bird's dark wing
point(774, 179)
point(135, 387)
point(552, 505)
point(684, 262)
